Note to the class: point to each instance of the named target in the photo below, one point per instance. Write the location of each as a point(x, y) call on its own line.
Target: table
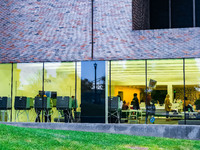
point(132, 113)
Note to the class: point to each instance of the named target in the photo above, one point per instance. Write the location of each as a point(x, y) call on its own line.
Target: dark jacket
point(135, 103)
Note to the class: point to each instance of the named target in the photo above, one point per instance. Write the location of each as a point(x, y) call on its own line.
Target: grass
point(28, 138)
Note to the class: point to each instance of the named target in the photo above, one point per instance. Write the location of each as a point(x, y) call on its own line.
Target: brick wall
point(60, 30)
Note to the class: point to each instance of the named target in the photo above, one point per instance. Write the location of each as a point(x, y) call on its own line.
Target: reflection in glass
point(59, 85)
point(27, 82)
point(93, 91)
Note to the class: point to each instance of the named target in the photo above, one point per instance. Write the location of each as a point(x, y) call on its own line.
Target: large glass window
point(165, 14)
point(192, 89)
point(165, 91)
point(159, 14)
point(59, 86)
point(182, 13)
point(93, 91)
point(197, 14)
point(27, 84)
point(5, 91)
point(128, 84)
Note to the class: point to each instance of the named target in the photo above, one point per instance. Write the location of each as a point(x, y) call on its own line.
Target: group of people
point(134, 102)
point(136, 106)
point(168, 105)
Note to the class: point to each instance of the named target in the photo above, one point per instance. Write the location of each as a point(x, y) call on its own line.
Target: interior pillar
point(170, 92)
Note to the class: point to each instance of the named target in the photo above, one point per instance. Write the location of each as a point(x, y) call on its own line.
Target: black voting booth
point(64, 107)
point(22, 104)
point(5, 104)
point(42, 104)
point(114, 109)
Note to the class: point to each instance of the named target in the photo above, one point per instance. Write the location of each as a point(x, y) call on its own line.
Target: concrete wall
point(169, 131)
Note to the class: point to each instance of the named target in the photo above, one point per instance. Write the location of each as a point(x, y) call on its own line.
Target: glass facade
point(93, 91)
point(59, 82)
point(5, 92)
point(161, 91)
point(192, 89)
point(27, 82)
point(127, 79)
point(182, 13)
point(164, 78)
point(159, 14)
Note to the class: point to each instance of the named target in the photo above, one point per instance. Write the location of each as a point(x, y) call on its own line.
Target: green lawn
point(27, 138)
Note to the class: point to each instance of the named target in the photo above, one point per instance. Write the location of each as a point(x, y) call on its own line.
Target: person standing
point(135, 102)
point(148, 99)
point(167, 106)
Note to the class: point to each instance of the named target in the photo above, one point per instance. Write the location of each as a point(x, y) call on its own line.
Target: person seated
point(185, 105)
point(124, 106)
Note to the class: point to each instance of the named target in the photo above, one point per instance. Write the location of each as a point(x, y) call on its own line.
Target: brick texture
point(45, 30)
point(115, 39)
point(60, 30)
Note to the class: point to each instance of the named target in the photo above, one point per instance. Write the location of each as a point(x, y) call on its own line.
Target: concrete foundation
point(169, 131)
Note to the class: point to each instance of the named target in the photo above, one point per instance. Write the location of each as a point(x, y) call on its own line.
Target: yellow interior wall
point(30, 90)
point(5, 80)
point(127, 93)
